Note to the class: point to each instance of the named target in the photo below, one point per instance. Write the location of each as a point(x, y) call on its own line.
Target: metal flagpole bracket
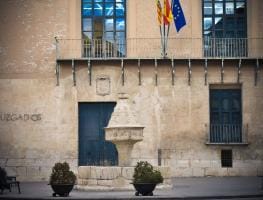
point(239, 70)
point(122, 72)
point(222, 71)
point(73, 72)
point(57, 72)
point(173, 71)
point(156, 71)
point(189, 71)
point(256, 72)
point(205, 71)
point(89, 71)
point(139, 72)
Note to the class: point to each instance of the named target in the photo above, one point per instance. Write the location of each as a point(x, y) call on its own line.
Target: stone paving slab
point(183, 188)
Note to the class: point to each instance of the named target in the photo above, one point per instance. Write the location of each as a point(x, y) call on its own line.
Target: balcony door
point(225, 116)
point(104, 28)
point(225, 28)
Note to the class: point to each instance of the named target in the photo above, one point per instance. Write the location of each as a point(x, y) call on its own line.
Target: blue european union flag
point(178, 15)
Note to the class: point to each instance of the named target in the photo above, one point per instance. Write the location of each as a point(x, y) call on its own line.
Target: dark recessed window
point(226, 158)
point(225, 116)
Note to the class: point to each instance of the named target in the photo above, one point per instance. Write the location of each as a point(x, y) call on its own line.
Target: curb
point(259, 196)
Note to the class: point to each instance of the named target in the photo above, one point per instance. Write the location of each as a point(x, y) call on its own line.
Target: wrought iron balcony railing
point(151, 48)
point(227, 134)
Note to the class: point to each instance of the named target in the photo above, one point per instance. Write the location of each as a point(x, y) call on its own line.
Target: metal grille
point(226, 158)
point(151, 48)
point(225, 133)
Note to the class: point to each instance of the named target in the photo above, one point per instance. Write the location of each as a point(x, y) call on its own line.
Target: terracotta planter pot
point(145, 189)
point(62, 190)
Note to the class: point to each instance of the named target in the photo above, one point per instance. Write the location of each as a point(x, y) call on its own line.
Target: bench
point(7, 182)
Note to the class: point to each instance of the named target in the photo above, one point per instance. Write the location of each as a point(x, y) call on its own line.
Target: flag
point(178, 15)
point(159, 12)
point(167, 13)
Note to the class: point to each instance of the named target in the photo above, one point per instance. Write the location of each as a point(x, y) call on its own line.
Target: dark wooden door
point(93, 149)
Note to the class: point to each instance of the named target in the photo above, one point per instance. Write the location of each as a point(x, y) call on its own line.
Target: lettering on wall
point(20, 117)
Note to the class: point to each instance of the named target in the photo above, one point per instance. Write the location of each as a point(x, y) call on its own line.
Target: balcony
point(143, 48)
point(227, 134)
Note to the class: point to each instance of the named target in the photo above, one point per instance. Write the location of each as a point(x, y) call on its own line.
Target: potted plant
point(62, 179)
point(145, 178)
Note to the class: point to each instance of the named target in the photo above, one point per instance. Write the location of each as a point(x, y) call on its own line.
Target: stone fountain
point(124, 130)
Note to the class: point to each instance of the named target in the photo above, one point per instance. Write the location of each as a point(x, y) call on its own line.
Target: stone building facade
point(45, 81)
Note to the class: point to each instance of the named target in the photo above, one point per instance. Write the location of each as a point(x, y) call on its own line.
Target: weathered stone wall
point(174, 116)
point(29, 148)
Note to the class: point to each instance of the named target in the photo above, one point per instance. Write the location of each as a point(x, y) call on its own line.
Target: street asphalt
point(182, 188)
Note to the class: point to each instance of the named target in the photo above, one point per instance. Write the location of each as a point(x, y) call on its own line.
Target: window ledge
point(228, 144)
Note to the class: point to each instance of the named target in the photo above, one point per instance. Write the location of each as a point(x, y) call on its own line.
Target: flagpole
point(164, 48)
point(161, 39)
point(169, 25)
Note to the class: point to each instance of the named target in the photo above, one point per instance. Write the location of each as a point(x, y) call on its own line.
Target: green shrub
point(62, 175)
point(144, 173)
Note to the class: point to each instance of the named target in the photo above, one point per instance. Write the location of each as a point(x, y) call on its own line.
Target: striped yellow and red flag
point(159, 12)
point(167, 12)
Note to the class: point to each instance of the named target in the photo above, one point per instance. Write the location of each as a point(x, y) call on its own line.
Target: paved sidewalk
point(183, 188)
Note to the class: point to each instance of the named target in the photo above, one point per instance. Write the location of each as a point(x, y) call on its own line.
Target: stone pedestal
point(123, 130)
point(124, 138)
point(114, 178)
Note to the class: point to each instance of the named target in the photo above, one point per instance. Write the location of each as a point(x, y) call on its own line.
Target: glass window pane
point(208, 8)
point(225, 104)
point(120, 36)
point(120, 24)
point(98, 9)
point(215, 117)
point(108, 24)
point(119, 0)
point(219, 34)
point(218, 8)
point(241, 23)
point(98, 0)
point(86, 9)
point(119, 9)
point(241, 34)
point(230, 24)
point(109, 36)
point(207, 23)
point(240, 8)
point(98, 25)
point(218, 22)
point(236, 105)
point(87, 35)
point(109, 7)
point(208, 33)
point(230, 34)
point(229, 8)
point(98, 35)
point(87, 25)
point(215, 105)
point(236, 117)
point(226, 118)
